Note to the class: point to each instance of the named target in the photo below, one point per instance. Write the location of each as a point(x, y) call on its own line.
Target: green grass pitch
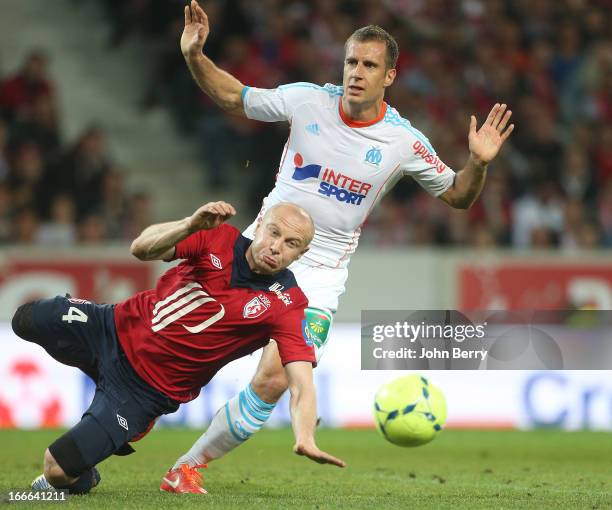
point(459, 470)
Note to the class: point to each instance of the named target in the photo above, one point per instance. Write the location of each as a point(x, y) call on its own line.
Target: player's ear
point(390, 76)
point(258, 226)
point(304, 251)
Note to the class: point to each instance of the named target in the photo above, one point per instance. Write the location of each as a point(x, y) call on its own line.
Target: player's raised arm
point(157, 242)
point(304, 413)
point(223, 88)
point(484, 145)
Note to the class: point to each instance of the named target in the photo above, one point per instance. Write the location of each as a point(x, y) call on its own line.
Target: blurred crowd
point(52, 191)
point(549, 60)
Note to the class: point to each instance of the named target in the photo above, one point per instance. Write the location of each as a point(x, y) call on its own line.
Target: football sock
point(233, 424)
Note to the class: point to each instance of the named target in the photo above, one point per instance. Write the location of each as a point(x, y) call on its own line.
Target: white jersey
point(338, 169)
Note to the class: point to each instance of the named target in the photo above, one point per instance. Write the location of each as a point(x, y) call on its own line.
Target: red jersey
point(207, 311)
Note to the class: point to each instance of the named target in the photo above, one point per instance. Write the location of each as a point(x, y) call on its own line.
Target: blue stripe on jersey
point(332, 90)
point(303, 84)
point(245, 89)
point(392, 117)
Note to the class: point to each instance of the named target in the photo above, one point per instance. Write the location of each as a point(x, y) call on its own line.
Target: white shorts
point(323, 286)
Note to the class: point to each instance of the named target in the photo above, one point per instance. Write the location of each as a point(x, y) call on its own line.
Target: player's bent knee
point(53, 472)
point(23, 322)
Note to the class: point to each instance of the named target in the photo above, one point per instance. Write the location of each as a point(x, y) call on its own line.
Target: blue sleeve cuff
point(243, 93)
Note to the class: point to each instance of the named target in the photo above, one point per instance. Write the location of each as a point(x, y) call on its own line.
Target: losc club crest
point(373, 156)
point(254, 308)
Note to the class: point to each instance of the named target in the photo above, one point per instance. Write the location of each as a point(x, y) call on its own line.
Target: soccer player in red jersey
point(155, 350)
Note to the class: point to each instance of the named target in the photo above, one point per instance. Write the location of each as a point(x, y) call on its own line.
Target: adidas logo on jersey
point(313, 128)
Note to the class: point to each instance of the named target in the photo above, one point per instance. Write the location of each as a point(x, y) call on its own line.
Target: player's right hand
point(210, 215)
point(195, 32)
point(313, 453)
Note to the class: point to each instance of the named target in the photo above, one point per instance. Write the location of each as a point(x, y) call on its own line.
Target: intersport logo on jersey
point(333, 183)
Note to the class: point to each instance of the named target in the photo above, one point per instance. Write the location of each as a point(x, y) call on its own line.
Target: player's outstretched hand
point(313, 453)
point(486, 142)
point(211, 215)
point(196, 30)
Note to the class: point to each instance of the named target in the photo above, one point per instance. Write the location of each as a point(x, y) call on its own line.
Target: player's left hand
point(313, 453)
point(210, 215)
point(486, 142)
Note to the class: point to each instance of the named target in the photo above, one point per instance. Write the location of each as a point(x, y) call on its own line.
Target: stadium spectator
point(538, 217)
point(51, 193)
point(21, 91)
point(60, 228)
point(138, 214)
point(6, 214)
point(25, 227)
point(92, 229)
point(26, 178)
point(4, 164)
point(83, 168)
point(113, 204)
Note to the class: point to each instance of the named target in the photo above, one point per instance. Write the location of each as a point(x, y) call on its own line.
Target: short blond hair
point(376, 33)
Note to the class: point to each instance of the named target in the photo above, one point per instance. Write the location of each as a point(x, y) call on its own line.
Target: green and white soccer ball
point(409, 411)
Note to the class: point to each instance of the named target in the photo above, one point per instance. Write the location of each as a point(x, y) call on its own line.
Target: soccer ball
point(409, 411)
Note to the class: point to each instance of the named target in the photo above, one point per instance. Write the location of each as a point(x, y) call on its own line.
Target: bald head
point(282, 237)
point(296, 215)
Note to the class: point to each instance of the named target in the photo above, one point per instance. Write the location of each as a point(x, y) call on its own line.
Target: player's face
point(365, 73)
point(280, 239)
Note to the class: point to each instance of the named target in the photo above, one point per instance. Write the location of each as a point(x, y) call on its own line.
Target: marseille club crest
point(373, 156)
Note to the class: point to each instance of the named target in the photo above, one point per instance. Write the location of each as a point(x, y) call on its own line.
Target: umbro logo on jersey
point(255, 307)
point(215, 261)
point(313, 128)
point(122, 421)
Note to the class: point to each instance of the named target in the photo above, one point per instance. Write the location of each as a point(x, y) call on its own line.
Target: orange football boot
point(184, 479)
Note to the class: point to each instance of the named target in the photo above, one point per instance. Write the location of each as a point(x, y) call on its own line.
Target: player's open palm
point(313, 453)
point(486, 142)
point(211, 215)
point(196, 30)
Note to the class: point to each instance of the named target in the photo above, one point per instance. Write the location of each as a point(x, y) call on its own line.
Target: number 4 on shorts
point(74, 314)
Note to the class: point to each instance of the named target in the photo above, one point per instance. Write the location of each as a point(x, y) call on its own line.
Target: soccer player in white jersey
point(347, 147)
